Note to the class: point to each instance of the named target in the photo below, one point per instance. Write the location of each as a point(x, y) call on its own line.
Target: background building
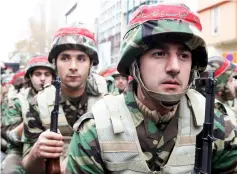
point(112, 21)
point(109, 27)
point(219, 20)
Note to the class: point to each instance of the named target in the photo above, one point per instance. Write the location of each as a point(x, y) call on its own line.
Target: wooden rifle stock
point(53, 164)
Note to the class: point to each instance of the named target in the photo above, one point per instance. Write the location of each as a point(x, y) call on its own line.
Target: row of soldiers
point(148, 127)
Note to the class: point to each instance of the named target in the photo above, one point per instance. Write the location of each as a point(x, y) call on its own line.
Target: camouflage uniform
point(11, 119)
point(157, 141)
point(156, 137)
point(109, 76)
point(109, 79)
point(15, 115)
point(223, 70)
point(117, 91)
point(72, 108)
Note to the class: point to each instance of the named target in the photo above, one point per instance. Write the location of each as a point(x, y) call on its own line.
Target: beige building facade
point(219, 21)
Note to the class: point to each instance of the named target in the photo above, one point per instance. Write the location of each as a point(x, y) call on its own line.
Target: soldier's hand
point(48, 145)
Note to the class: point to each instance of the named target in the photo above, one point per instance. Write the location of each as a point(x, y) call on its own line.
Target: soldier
point(39, 72)
point(151, 127)
point(11, 88)
point(116, 82)
point(225, 90)
point(73, 53)
point(120, 82)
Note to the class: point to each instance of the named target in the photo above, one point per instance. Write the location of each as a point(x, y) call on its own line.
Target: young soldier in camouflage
point(73, 53)
point(8, 123)
point(225, 90)
point(39, 72)
point(116, 82)
point(120, 82)
point(151, 128)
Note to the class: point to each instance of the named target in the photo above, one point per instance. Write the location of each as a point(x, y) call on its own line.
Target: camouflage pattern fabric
point(13, 117)
point(73, 108)
point(39, 61)
point(81, 37)
point(155, 140)
point(33, 127)
point(217, 63)
point(4, 105)
point(3, 128)
point(151, 25)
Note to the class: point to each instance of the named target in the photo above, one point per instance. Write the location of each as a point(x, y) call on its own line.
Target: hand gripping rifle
point(203, 152)
point(53, 165)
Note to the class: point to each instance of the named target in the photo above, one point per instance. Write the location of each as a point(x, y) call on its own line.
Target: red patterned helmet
point(152, 24)
point(76, 39)
point(39, 61)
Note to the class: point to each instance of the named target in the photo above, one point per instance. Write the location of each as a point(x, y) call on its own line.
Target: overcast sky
point(14, 15)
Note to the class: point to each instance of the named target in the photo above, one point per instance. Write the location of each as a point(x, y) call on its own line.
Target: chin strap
point(168, 101)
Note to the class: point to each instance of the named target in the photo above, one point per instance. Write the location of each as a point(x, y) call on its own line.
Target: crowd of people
point(142, 115)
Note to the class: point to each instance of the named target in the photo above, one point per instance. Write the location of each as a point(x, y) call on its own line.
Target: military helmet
point(74, 38)
point(18, 77)
point(162, 23)
point(223, 69)
point(108, 71)
point(39, 61)
point(116, 73)
point(18, 74)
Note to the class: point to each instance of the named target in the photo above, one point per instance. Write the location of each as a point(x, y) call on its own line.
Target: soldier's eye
point(160, 54)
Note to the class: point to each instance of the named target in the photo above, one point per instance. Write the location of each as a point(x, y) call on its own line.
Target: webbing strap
point(118, 146)
point(132, 165)
point(77, 124)
point(115, 114)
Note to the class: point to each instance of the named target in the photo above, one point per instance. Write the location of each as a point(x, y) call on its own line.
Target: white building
point(109, 27)
point(112, 21)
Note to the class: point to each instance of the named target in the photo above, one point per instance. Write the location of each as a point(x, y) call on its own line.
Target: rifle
point(53, 165)
point(203, 151)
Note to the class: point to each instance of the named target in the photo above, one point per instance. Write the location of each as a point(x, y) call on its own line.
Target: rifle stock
point(53, 165)
point(203, 152)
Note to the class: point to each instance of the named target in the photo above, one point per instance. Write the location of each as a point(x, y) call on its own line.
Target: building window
point(215, 20)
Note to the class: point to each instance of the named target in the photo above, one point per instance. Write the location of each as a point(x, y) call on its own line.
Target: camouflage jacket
point(13, 117)
point(73, 108)
point(84, 151)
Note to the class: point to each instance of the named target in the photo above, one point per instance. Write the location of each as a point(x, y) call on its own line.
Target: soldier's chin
point(74, 86)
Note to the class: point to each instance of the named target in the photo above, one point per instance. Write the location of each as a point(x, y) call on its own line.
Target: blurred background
point(28, 26)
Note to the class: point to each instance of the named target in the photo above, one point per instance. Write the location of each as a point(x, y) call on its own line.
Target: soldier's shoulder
point(85, 123)
point(223, 110)
point(224, 122)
